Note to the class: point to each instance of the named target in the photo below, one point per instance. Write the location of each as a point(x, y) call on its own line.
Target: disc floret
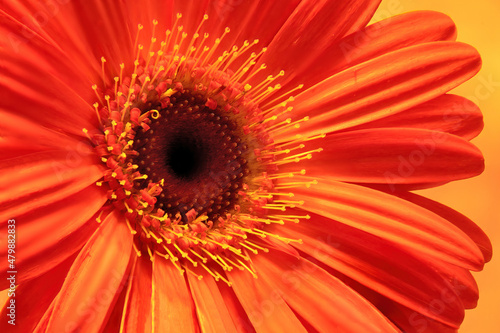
point(130, 107)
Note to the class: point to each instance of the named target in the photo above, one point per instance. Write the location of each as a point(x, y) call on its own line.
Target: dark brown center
point(200, 154)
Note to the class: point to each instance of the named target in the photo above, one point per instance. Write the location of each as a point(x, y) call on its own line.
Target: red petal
point(278, 245)
point(138, 318)
point(52, 103)
point(32, 302)
point(85, 31)
point(138, 13)
point(408, 225)
point(377, 39)
point(95, 280)
point(42, 325)
point(236, 311)
point(413, 322)
point(447, 113)
point(406, 319)
point(265, 307)
point(463, 283)
point(173, 307)
point(29, 174)
point(313, 26)
point(392, 156)
point(53, 233)
point(383, 86)
point(36, 73)
point(320, 298)
point(249, 20)
point(42, 178)
point(58, 41)
point(12, 148)
point(23, 134)
point(402, 276)
point(458, 219)
point(211, 309)
point(115, 318)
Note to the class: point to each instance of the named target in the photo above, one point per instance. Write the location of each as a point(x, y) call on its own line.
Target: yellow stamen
point(98, 218)
point(116, 78)
point(137, 252)
point(151, 255)
point(235, 264)
point(94, 87)
point(210, 272)
point(257, 246)
point(290, 99)
point(122, 66)
point(201, 49)
point(197, 33)
point(203, 259)
point(223, 279)
point(103, 60)
point(139, 28)
point(129, 225)
point(296, 184)
point(247, 268)
point(261, 86)
point(199, 277)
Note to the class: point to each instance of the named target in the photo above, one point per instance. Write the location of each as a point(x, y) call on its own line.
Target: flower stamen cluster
point(131, 106)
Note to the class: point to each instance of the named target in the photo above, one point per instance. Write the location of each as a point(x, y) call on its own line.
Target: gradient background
point(478, 24)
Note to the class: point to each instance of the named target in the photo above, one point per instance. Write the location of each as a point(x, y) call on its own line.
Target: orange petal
point(248, 20)
point(138, 315)
point(383, 86)
point(16, 131)
point(62, 174)
point(278, 245)
point(173, 309)
point(388, 35)
point(392, 156)
point(313, 26)
point(95, 279)
point(32, 302)
point(447, 113)
point(263, 304)
point(235, 309)
point(320, 298)
point(408, 225)
point(392, 271)
point(462, 282)
point(53, 233)
point(73, 27)
point(29, 174)
point(211, 309)
point(458, 219)
point(37, 74)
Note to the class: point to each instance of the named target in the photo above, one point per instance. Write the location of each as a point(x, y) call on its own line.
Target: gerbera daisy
point(234, 166)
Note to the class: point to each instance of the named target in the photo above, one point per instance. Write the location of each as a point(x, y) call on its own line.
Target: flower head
point(235, 167)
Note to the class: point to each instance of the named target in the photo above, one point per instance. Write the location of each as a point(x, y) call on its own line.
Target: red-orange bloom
point(235, 166)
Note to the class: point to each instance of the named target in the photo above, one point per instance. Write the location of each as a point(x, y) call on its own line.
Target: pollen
point(188, 146)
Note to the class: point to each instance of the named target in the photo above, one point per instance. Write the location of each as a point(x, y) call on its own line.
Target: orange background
point(478, 24)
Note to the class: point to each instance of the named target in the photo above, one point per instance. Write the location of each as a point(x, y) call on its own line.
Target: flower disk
point(190, 156)
point(197, 152)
